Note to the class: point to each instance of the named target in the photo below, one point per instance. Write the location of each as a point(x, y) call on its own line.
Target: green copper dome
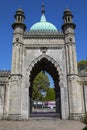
point(43, 25)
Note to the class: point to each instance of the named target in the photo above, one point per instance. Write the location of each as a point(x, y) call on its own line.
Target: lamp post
point(43, 95)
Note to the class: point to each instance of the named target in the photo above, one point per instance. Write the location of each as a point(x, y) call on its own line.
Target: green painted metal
point(43, 25)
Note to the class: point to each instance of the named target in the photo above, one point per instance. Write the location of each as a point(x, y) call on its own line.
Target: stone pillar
point(6, 105)
point(15, 97)
point(75, 97)
point(17, 61)
point(74, 88)
point(85, 96)
point(17, 58)
point(25, 99)
point(2, 95)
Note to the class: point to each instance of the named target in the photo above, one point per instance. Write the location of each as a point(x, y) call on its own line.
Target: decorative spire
point(43, 10)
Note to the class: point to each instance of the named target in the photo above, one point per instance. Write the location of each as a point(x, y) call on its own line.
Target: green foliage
point(50, 95)
point(40, 84)
point(84, 120)
point(85, 128)
point(82, 65)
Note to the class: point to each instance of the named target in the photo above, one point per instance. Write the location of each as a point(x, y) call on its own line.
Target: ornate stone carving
point(43, 49)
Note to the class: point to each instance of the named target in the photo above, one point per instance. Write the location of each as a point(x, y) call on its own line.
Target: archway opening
point(54, 109)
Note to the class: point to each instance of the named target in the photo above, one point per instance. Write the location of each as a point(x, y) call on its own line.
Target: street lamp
point(43, 95)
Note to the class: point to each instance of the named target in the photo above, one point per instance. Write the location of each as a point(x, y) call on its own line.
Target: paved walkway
point(51, 124)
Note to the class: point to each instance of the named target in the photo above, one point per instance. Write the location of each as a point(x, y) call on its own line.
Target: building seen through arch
point(43, 47)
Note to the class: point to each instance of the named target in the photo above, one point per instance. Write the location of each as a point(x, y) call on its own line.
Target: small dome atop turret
point(20, 11)
point(68, 12)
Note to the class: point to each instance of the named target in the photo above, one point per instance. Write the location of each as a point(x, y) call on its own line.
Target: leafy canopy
point(82, 65)
point(40, 85)
point(50, 95)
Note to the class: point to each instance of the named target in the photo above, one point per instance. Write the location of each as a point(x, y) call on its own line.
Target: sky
point(32, 8)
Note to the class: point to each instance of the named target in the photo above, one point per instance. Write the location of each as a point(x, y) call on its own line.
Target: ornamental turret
point(68, 30)
point(19, 20)
point(68, 20)
point(19, 28)
point(76, 104)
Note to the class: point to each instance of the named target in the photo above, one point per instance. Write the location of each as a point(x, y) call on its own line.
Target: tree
point(84, 120)
point(50, 95)
point(82, 65)
point(40, 84)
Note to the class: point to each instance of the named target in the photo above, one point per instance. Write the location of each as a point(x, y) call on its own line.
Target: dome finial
point(43, 10)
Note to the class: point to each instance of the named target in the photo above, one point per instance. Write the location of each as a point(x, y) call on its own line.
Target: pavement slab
point(41, 124)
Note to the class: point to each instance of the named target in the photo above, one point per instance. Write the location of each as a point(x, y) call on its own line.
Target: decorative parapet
point(44, 34)
point(4, 73)
point(83, 78)
point(82, 73)
point(4, 77)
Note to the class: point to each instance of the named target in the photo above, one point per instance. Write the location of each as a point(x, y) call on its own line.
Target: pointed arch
point(60, 81)
point(50, 59)
point(48, 64)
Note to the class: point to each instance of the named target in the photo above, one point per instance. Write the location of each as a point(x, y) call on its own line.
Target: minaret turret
point(19, 28)
point(68, 29)
point(17, 61)
point(19, 20)
point(68, 20)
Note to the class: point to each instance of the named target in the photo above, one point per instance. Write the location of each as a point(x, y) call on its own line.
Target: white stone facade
point(57, 51)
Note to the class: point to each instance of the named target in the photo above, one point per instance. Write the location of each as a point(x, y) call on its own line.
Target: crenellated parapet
point(83, 78)
point(4, 76)
point(4, 72)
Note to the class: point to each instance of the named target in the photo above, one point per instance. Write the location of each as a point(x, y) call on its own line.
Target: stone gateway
point(43, 47)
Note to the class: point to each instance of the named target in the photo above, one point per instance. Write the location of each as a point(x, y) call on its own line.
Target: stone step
point(44, 115)
point(44, 118)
